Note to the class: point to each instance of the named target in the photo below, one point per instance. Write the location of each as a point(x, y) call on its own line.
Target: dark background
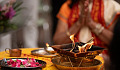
point(56, 4)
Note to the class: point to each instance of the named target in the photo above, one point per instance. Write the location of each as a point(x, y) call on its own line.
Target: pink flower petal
point(26, 63)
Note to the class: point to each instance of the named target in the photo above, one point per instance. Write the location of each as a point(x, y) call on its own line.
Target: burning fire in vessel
point(83, 48)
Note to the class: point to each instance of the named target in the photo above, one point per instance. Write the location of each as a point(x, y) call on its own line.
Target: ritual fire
point(77, 54)
point(82, 48)
point(85, 47)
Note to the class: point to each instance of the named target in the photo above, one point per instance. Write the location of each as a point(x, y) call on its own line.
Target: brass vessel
point(85, 65)
point(76, 60)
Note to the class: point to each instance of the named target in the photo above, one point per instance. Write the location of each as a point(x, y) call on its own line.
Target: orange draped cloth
point(97, 15)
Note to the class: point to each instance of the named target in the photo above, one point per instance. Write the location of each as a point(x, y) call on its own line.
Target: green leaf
point(17, 13)
point(17, 5)
point(19, 9)
point(13, 26)
point(22, 66)
point(14, 60)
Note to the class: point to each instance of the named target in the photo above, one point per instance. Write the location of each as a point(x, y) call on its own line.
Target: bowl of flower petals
point(22, 64)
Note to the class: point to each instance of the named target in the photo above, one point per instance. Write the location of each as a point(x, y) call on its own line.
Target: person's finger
point(86, 3)
point(87, 9)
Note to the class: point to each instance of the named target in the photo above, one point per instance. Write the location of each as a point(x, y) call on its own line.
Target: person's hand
point(89, 20)
point(85, 11)
point(86, 6)
point(93, 26)
point(90, 23)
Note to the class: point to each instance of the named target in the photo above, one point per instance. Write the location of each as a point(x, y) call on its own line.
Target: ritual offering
point(49, 49)
point(43, 53)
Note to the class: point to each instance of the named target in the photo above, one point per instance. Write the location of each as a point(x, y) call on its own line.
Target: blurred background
point(37, 23)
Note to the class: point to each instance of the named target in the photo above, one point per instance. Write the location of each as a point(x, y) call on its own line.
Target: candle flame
point(47, 45)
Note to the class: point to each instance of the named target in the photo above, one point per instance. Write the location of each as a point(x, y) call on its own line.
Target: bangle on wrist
point(98, 29)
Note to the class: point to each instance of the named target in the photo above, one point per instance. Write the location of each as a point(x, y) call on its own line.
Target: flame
point(80, 49)
point(47, 45)
point(72, 38)
point(85, 47)
point(90, 45)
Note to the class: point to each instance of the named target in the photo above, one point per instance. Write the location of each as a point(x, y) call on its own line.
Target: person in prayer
point(86, 19)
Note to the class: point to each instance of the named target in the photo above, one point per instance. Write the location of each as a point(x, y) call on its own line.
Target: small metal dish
point(42, 53)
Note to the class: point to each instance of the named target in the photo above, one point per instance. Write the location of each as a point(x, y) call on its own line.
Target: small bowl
point(4, 66)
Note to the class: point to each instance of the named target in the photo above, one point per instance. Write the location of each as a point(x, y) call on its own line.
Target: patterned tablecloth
point(26, 52)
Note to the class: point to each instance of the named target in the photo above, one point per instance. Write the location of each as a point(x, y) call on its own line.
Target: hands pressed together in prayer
point(87, 20)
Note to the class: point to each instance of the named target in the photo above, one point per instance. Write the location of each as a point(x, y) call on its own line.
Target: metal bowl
point(4, 66)
point(66, 65)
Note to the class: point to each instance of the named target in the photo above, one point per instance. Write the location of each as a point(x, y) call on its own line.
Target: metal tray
point(42, 53)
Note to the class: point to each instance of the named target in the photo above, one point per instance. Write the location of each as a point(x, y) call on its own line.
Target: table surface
point(26, 52)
